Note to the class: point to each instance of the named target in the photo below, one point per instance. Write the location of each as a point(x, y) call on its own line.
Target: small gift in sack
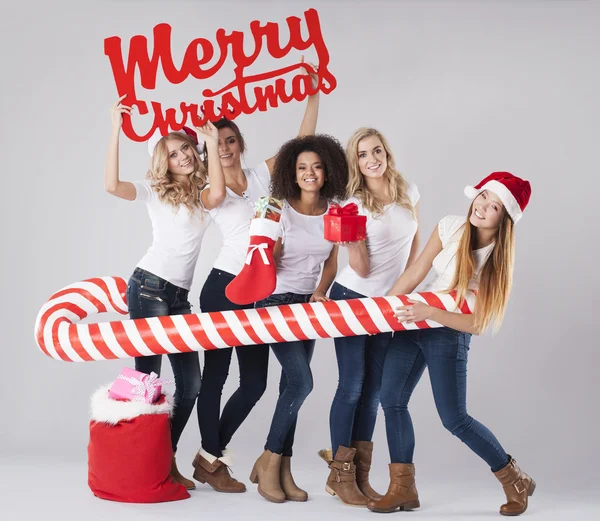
point(136, 386)
point(129, 453)
point(343, 224)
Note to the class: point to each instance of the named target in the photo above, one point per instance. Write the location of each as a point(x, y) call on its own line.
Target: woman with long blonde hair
point(392, 242)
point(472, 253)
point(162, 279)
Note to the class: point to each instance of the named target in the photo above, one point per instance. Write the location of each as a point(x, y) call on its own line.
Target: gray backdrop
point(460, 89)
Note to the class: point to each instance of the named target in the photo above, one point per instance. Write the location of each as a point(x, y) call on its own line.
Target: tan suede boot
point(362, 460)
point(402, 492)
point(215, 471)
point(342, 479)
point(266, 473)
point(517, 485)
point(292, 491)
point(176, 475)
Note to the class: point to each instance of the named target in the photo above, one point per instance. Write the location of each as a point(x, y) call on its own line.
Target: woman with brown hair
point(232, 214)
point(472, 253)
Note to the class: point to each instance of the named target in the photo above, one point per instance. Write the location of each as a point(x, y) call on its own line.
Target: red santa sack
point(129, 454)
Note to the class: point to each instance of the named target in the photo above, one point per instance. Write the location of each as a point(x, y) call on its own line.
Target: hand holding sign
point(209, 133)
point(314, 75)
point(116, 112)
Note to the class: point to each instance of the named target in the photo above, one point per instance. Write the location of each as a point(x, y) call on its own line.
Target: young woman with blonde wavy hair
point(162, 279)
point(472, 253)
point(391, 206)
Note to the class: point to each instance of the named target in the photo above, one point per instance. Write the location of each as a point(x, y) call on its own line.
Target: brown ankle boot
point(402, 492)
point(176, 475)
point(215, 471)
point(266, 472)
point(517, 485)
point(362, 460)
point(292, 491)
point(342, 479)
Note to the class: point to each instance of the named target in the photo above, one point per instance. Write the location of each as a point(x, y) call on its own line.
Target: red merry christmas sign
point(232, 99)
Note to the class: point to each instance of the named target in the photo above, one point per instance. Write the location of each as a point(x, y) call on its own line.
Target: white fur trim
point(227, 458)
point(265, 228)
point(207, 456)
point(107, 410)
point(506, 196)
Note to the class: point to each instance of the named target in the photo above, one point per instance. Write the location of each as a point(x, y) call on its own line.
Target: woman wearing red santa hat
point(162, 279)
point(472, 253)
point(233, 214)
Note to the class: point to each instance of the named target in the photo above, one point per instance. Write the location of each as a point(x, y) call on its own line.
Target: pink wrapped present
point(135, 386)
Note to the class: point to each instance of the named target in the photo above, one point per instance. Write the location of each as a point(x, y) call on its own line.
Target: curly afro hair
point(331, 152)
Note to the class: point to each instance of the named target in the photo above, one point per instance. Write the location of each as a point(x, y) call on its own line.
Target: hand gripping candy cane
point(59, 336)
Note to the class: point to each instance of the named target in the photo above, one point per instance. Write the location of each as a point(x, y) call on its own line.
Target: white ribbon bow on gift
point(143, 389)
point(261, 248)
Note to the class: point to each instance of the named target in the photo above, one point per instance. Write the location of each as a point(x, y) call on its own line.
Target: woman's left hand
point(319, 296)
point(416, 312)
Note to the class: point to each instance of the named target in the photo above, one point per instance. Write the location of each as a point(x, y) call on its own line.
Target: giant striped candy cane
point(59, 336)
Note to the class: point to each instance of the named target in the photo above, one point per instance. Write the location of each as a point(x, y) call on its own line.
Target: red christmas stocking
point(258, 279)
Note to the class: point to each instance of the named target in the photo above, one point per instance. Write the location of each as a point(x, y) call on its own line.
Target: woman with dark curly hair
point(309, 172)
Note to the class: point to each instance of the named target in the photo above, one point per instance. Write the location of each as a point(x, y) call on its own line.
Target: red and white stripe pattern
point(59, 335)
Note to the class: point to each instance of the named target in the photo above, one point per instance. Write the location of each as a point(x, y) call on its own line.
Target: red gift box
point(343, 224)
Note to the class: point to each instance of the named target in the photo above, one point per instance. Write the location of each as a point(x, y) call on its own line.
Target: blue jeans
point(218, 428)
point(150, 296)
point(295, 384)
point(360, 364)
point(445, 352)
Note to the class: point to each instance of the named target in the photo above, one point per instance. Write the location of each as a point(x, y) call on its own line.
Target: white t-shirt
point(441, 275)
point(389, 239)
point(233, 217)
point(176, 237)
point(304, 250)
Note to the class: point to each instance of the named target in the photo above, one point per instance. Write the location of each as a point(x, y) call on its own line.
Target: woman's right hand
point(350, 245)
point(208, 132)
point(116, 112)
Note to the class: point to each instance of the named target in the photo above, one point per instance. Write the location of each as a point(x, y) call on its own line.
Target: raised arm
point(418, 270)
point(214, 195)
point(327, 276)
point(112, 184)
point(311, 114)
